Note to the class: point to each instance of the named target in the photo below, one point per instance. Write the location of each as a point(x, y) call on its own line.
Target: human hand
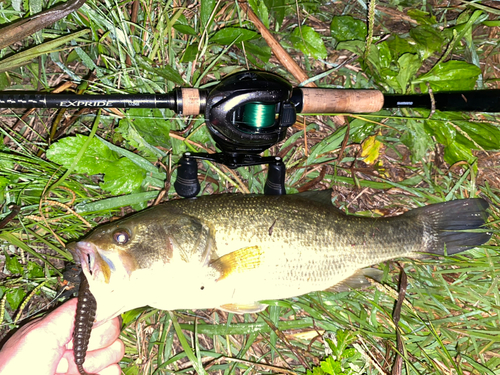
point(44, 346)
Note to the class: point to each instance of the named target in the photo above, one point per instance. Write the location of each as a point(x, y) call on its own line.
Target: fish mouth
point(87, 255)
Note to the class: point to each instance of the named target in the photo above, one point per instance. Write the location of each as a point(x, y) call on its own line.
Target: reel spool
point(246, 113)
point(259, 115)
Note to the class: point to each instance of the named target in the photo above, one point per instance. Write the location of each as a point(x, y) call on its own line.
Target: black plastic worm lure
point(84, 319)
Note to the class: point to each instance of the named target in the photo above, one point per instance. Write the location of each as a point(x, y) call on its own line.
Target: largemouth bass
point(233, 251)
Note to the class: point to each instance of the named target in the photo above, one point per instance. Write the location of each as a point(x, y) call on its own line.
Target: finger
point(97, 360)
point(104, 335)
point(59, 323)
point(46, 338)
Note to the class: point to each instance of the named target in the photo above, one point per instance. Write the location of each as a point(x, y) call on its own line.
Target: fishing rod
point(248, 112)
point(189, 101)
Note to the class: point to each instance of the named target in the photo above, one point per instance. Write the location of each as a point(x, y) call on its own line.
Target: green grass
point(449, 321)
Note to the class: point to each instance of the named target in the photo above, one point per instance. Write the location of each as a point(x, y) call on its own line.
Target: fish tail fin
point(454, 226)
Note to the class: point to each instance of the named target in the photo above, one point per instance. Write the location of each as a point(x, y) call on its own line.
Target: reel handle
point(317, 100)
point(187, 184)
point(275, 183)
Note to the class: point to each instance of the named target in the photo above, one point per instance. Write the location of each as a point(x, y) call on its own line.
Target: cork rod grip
point(191, 102)
point(341, 101)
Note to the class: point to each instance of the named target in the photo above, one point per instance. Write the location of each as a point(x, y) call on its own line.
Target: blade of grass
point(24, 57)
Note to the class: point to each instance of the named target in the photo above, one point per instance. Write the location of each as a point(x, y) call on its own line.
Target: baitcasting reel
point(246, 113)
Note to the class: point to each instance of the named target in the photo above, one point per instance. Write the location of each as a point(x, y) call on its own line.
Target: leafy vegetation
point(69, 170)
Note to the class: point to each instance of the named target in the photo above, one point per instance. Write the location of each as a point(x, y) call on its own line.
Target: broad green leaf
point(344, 28)
point(400, 46)
point(463, 32)
point(384, 55)
point(190, 53)
point(15, 297)
point(408, 66)
point(150, 125)
point(229, 35)
point(450, 76)
point(277, 9)
point(137, 159)
point(183, 25)
point(456, 152)
point(389, 76)
point(130, 133)
point(95, 160)
point(13, 266)
point(206, 9)
point(417, 140)
point(485, 135)
point(309, 42)
point(185, 29)
point(259, 49)
point(355, 46)
point(123, 177)
point(469, 16)
point(260, 9)
point(443, 131)
point(455, 149)
point(34, 270)
point(423, 18)
point(21, 58)
point(360, 130)
point(131, 315)
point(331, 367)
point(428, 39)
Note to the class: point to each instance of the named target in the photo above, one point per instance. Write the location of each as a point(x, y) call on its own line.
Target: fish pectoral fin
point(238, 261)
point(359, 280)
point(238, 308)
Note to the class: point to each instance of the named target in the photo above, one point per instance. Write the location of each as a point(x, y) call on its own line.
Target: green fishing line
point(259, 115)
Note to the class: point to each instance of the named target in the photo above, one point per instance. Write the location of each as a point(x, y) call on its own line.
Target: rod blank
point(468, 101)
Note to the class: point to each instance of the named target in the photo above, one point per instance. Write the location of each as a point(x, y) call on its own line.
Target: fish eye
point(121, 237)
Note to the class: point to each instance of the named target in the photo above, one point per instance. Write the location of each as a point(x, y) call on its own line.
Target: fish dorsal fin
point(359, 280)
point(243, 308)
point(320, 196)
point(238, 261)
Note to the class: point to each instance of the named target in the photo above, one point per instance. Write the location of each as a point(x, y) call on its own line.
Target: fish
point(234, 252)
point(231, 251)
